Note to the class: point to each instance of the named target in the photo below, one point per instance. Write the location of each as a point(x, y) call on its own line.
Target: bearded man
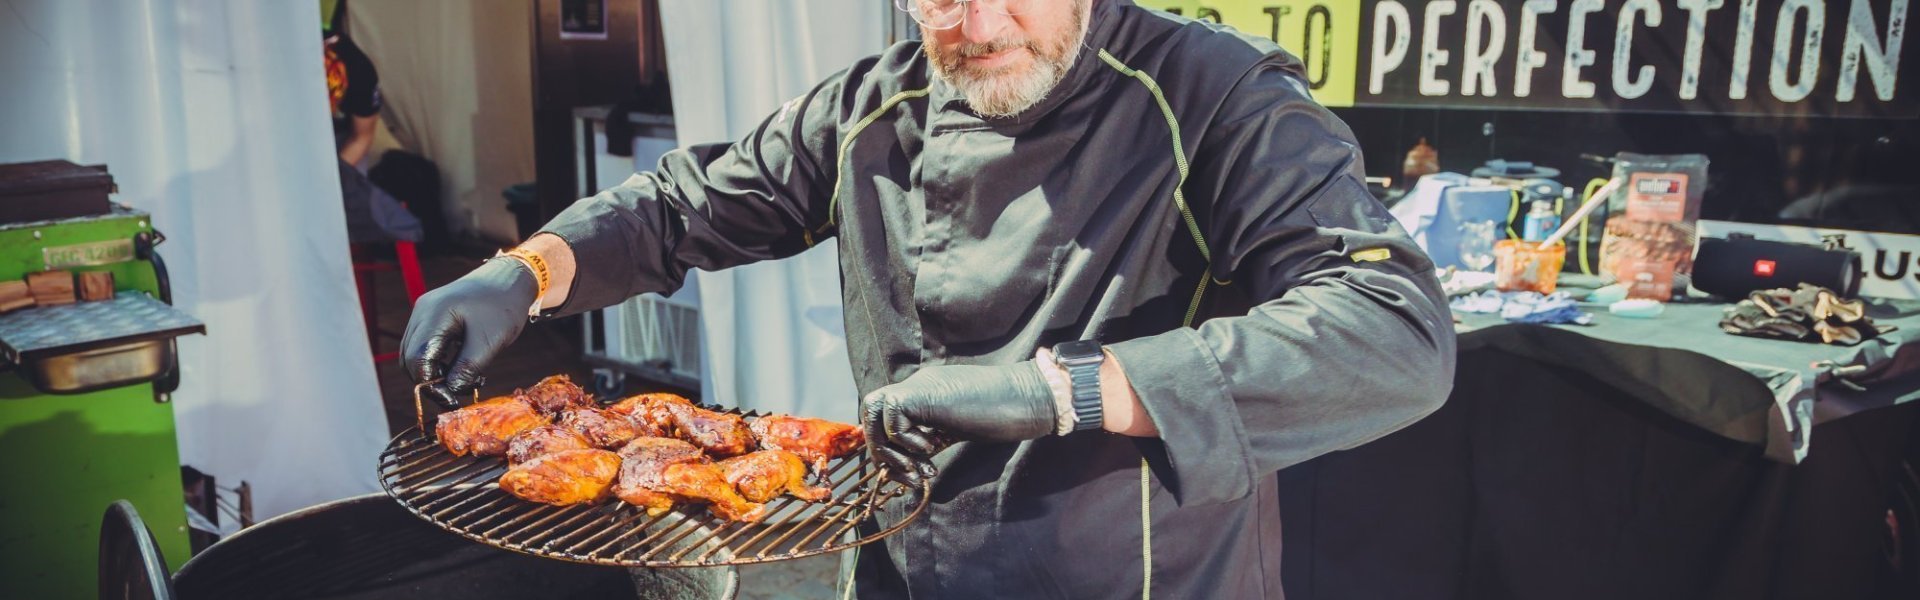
point(1105, 271)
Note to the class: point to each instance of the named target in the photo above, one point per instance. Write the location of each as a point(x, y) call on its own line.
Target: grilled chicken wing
point(485, 428)
point(641, 462)
point(656, 473)
point(653, 412)
point(554, 394)
point(720, 434)
point(563, 478)
point(603, 429)
point(815, 440)
point(545, 439)
point(762, 475)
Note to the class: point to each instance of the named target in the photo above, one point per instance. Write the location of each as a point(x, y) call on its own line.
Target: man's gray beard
point(995, 97)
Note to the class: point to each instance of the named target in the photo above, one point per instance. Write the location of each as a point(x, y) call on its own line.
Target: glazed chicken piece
point(656, 473)
point(815, 440)
point(484, 429)
point(554, 394)
point(564, 478)
point(762, 475)
point(604, 429)
point(652, 412)
point(545, 439)
point(720, 434)
point(641, 462)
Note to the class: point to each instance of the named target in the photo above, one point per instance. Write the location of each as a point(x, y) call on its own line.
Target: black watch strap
point(1081, 360)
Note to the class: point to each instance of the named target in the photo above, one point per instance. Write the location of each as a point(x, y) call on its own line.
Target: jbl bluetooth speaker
point(1740, 264)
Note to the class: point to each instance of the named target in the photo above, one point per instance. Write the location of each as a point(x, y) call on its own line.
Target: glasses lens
point(935, 14)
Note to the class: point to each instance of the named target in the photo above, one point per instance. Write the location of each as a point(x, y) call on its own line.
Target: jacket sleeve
point(1351, 338)
point(708, 206)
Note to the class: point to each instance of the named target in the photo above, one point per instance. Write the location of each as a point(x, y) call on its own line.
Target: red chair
point(365, 264)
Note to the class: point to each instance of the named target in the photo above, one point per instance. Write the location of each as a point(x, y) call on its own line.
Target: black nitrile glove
point(908, 422)
point(458, 328)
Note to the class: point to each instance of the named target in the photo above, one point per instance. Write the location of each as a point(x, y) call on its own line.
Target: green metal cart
point(84, 412)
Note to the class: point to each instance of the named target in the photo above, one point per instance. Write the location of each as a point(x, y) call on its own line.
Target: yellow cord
point(1592, 186)
point(846, 144)
point(832, 211)
point(1513, 212)
point(1179, 150)
point(847, 594)
point(1193, 307)
point(1146, 532)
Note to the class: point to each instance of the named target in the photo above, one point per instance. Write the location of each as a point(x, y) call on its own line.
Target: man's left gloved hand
point(908, 422)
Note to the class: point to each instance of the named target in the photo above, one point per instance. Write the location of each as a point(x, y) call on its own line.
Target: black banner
point(1781, 57)
point(1776, 57)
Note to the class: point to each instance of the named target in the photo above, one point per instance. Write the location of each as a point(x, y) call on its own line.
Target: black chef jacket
point(966, 240)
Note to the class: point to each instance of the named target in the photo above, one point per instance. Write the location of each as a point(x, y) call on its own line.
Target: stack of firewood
point(54, 288)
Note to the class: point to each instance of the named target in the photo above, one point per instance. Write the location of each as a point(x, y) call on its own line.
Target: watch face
point(1079, 349)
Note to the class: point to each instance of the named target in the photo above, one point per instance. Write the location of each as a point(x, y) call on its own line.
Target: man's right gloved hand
point(458, 328)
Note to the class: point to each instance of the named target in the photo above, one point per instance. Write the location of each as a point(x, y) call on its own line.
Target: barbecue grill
point(461, 494)
point(369, 548)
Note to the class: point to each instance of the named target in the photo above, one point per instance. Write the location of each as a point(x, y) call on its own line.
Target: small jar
point(1520, 266)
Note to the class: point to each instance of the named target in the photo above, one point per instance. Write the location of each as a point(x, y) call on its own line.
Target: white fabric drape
point(212, 115)
point(773, 331)
point(457, 77)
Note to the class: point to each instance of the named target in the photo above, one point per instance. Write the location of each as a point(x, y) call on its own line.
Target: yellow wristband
point(540, 274)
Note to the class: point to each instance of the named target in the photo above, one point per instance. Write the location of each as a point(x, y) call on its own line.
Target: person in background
point(353, 90)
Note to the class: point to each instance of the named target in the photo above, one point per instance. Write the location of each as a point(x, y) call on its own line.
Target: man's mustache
point(985, 48)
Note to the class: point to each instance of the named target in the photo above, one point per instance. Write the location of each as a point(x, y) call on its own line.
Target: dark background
point(1815, 163)
point(1846, 173)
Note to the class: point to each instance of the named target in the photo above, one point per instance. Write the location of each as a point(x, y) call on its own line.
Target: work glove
point(908, 422)
point(458, 328)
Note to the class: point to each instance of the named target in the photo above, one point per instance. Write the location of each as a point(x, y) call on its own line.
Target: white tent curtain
point(457, 78)
point(212, 115)
point(773, 333)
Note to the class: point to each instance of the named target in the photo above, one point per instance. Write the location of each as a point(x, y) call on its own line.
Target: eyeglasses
point(947, 14)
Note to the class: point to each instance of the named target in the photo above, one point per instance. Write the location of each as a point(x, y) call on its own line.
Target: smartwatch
point(1081, 360)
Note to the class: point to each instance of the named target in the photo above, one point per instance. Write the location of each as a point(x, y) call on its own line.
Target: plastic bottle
point(1541, 221)
point(1422, 160)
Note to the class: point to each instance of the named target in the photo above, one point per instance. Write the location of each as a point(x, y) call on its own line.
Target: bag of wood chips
point(1651, 230)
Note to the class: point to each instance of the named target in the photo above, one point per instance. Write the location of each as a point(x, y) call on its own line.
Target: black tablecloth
point(1627, 459)
point(1752, 390)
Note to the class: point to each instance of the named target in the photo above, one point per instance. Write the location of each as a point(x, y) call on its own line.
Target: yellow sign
point(1325, 34)
point(87, 255)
